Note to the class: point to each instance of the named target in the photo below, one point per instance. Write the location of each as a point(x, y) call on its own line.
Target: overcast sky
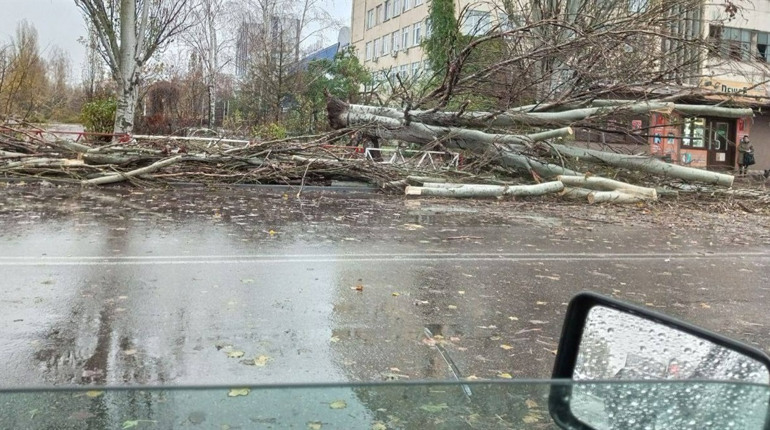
point(60, 23)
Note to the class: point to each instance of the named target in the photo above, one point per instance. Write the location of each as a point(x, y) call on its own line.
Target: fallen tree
point(514, 150)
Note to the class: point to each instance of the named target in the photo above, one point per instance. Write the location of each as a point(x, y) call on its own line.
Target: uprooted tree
point(547, 69)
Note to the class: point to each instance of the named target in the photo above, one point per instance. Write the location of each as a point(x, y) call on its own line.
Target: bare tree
point(130, 32)
point(268, 51)
point(206, 39)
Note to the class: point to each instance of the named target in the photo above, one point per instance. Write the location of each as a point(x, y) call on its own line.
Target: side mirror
point(635, 368)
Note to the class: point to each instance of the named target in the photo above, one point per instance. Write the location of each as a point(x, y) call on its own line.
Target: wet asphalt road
point(244, 286)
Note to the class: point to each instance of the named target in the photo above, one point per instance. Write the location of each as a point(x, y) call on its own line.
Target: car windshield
point(469, 404)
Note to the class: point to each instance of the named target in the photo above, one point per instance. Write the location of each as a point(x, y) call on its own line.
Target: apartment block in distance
point(387, 34)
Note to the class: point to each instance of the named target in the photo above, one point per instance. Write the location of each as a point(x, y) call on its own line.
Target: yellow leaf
point(396, 294)
point(314, 425)
point(705, 306)
point(335, 339)
point(379, 426)
point(504, 375)
point(531, 418)
point(94, 393)
point(261, 361)
point(271, 232)
point(235, 392)
point(338, 404)
point(235, 354)
point(506, 347)
point(531, 404)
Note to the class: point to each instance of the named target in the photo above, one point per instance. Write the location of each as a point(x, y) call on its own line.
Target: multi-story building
point(387, 36)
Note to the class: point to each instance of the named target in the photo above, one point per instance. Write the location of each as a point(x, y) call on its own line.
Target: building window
point(385, 50)
point(763, 53)
point(415, 69)
point(417, 38)
point(376, 48)
point(405, 38)
point(476, 22)
point(406, 5)
point(692, 133)
point(378, 14)
point(388, 11)
point(728, 42)
point(394, 41)
point(368, 51)
point(396, 8)
point(370, 19)
point(403, 71)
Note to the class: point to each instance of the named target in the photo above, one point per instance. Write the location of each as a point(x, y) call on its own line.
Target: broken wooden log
point(605, 184)
point(479, 190)
point(126, 175)
point(615, 197)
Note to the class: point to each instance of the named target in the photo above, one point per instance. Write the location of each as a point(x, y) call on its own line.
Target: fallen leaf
point(395, 294)
point(338, 404)
point(541, 303)
point(531, 404)
point(434, 408)
point(235, 354)
point(334, 339)
point(705, 306)
point(261, 361)
point(531, 418)
point(129, 352)
point(359, 287)
point(461, 292)
point(235, 392)
point(513, 318)
point(452, 307)
point(472, 378)
point(504, 375)
point(537, 322)
point(94, 393)
point(506, 347)
point(429, 341)
point(129, 424)
point(271, 232)
point(314, 425)
point(379, 426)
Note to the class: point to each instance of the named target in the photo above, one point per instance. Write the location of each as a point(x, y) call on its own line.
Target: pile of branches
point(307, 160)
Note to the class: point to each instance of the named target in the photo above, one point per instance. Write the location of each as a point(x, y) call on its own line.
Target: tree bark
point(510, 118)
point(605, 184)
point(643, 163)
point(614, 197)
point(479, 190)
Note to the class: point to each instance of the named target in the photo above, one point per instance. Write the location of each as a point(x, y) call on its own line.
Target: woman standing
point(745, 155)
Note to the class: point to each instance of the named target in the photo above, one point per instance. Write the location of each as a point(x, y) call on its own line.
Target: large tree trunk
point(510, 147)
point(212, 66)
point(478, 190)
point(128, 79)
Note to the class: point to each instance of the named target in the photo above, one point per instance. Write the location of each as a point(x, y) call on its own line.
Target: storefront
point(702, 142)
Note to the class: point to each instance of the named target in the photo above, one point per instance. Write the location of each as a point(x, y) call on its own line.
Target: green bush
point(98, 116)
point(271, 131)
